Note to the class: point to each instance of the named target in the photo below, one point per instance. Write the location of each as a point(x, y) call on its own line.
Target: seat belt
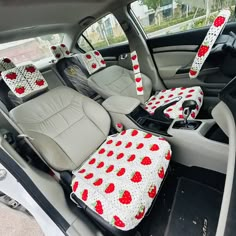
point(137, 75)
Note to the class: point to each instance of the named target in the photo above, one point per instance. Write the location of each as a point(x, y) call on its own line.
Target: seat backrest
point(71, 70)
point(67, 127)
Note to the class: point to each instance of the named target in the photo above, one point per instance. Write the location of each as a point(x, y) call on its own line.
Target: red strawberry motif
point(152, 191)
point(192, 72)
point(53, 47)
point(146, 161)
point(168, 156)
point(171, 95)
point(167, 115)
point(163, 91)
point(110, 153)
point(94, 65)
point(123, 132)
point(161, 172)
point(119, 125)
point(161, 97)
point(180, 93)
point(39, 82)
point(154, 147)
point(134, 132)
point(136, 67)
point(137, 177)
point(98, 182)
point(20, 89)
point(96, 53)
point(58, 55)
point(11, 76)
point(138, 80)
point(202, 50)
point(75, 186)
point(30, 69)
point(131, 158)
point(121, 172)
point(63, 45)
point(167, 101)
point(189, 96)
point(101, 151)
point(140, 213)
point(92, 161)
point(100, 165)
point(128, 145)
point(183, 88)
point(98, 207)
point(181, 117)
point(110, 169)
point(162, 139)
point(193, 115)
point(88, 176)
point(191, 90)
point(197, 107)
point(118, 143)
point(125, 197)
point(140, 89)
point(88, 56)
point(67, 52)
point(153, 99)
point(201, 93)
point(134, 57)
point(117, 222)
point(148, 135)
point(219, 21)
point(109, 141)
point(181, 108)
point(110, 188)
point(199, 99)
point(120, 155)
point(82, 171)
point(103, 62)
point(154, 107)
point(85, 195)
point(150, 103)
point(140, 146)
point(169, 110)
point(7, 60)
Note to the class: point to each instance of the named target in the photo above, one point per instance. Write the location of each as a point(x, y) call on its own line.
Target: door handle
point(123, 56)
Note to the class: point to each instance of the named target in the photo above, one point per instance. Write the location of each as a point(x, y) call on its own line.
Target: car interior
point(135, 137)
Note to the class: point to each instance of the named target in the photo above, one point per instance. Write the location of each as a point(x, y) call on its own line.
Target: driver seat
point(116, 80)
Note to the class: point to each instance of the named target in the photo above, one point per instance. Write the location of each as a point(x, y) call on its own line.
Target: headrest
point(60, 51)
point(24, 81)
point(6, 64)
point(93, 61)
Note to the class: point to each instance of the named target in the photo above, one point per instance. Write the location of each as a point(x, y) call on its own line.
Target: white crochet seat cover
point(121, 179)
point(60, 51)
point(24, 81)
point(175, 111)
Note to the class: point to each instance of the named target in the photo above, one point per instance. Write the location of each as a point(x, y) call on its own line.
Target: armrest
point(120, 104)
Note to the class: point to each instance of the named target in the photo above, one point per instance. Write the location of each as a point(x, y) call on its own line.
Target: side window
point(104, 33)
point(162, 17)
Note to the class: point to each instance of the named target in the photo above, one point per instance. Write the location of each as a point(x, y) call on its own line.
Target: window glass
point(104, 33)
point(33, 50)
point(161, 17)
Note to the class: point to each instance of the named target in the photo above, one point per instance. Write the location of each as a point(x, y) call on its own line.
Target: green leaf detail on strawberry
point(20, 89)
point(141, 213)
point(125, 197)
point(136, 177)
point(118, 222)
point(202, 50)
point(219, 21)
point(110, 188)
point(152, 191)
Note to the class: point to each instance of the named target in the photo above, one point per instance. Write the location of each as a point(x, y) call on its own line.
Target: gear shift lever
point(188, 107)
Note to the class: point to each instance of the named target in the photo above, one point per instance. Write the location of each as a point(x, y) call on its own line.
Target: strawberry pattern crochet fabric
point(182, 94)
point(208, 42)
point(24, 80)
point(121, 179)
point(6, 64)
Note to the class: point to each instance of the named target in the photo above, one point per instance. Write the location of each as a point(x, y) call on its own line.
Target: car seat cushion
point(6, 64)
point(121, 179)
point(175, 111)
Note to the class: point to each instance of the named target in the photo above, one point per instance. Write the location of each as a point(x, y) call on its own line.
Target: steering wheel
point(208, 42)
